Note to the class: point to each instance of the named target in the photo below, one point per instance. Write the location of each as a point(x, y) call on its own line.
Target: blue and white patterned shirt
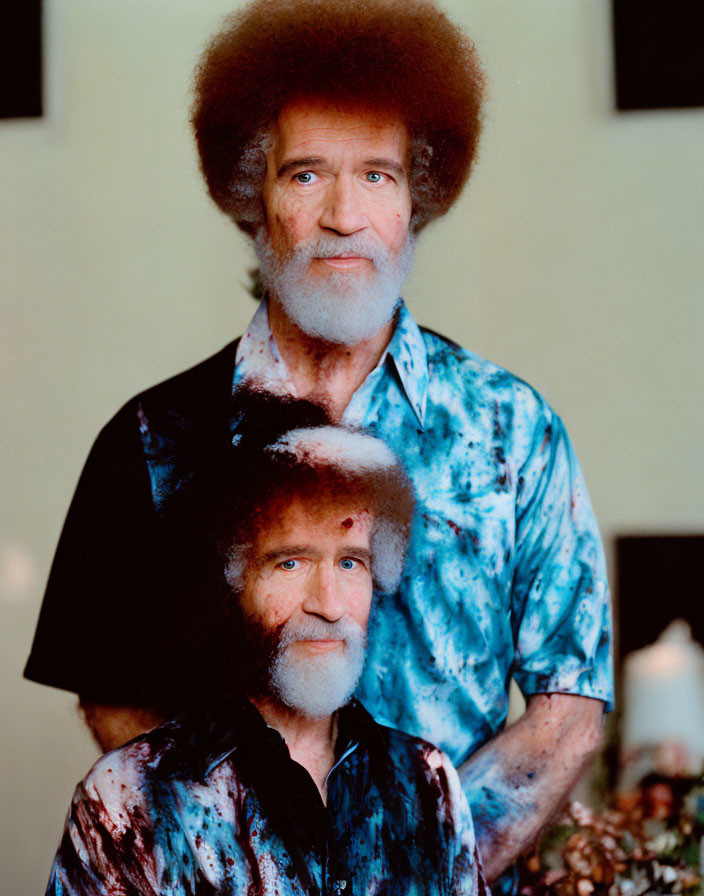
point(505, 572)
point(214, 804)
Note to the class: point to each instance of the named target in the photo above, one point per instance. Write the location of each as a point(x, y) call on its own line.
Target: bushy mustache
point(329, 246)
point(317, 629)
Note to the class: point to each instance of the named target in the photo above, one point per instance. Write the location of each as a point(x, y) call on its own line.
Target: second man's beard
point(313, 685)
point(344, 308)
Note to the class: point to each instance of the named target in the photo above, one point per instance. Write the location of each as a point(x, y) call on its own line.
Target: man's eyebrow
point(317, 161)
point(383, 163)
point(277, 554)
point(304, 162)
point(356, 551)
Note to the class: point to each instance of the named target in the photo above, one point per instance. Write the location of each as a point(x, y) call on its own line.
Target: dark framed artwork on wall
point(21, 88)
point(658, 56)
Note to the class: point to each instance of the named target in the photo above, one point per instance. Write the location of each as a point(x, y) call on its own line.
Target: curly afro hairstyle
point(401, 56)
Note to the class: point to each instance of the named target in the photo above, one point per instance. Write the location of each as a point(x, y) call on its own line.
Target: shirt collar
point(214, 736)
point(258, 359)
point(410, 357)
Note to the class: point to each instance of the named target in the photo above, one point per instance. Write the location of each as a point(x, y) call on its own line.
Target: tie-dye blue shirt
point(214, 804)
point(505, 572)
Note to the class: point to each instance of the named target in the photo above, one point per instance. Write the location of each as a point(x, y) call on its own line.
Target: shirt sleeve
point(561, 615)
point(465, 874)
point(101, 628)
point(97, 618)
point(102, 853)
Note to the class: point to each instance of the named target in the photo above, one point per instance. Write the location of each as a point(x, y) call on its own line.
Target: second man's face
point(305, 604)
point(311, 562)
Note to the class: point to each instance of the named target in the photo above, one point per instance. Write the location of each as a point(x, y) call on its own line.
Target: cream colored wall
point(574, 260)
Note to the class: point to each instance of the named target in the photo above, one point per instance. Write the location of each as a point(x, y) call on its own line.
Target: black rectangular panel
point(659, 578)
point(659, 53)
point(20, 58)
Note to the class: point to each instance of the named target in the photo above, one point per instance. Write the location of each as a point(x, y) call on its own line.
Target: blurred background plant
point(648, 841)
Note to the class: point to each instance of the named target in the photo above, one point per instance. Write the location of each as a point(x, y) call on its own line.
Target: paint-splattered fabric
point(505, 572)
point(215, 805)
point(504, 575)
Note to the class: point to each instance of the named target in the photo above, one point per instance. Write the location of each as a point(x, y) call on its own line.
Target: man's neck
point(322, 371)
point(311, 742)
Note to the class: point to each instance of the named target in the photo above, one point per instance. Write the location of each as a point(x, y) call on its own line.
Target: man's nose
point(324, 598)
point(343, 212)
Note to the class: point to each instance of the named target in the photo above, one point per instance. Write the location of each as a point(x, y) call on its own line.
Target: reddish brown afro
point(403, 56)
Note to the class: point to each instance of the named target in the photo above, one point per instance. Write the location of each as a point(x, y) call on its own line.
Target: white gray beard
point(316, 686)
point(341, 308)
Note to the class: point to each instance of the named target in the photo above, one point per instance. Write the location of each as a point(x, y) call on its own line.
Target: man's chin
point(337, 306)
point(316, 682)
point(339, 314)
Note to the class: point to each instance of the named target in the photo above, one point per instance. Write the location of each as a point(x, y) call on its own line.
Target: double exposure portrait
point(304, 572)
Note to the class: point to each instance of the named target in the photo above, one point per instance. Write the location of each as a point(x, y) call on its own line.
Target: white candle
point(664, 695)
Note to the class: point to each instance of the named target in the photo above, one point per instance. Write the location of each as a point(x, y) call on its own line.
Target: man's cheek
point(276, 612)
point(360, 604)
point(294, 220)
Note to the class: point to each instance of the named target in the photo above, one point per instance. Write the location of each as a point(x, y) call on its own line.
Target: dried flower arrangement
point(650, 841)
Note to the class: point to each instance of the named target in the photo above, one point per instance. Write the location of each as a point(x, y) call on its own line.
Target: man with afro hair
point(332, 132)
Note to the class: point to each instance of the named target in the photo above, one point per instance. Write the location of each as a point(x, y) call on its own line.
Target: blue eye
point(288, 564)
point(348, 563)
point(374, 177)
point(304, 177)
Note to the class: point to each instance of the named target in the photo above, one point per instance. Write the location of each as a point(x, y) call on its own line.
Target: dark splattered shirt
point(215, 805)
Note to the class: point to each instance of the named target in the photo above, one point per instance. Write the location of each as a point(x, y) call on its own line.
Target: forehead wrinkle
point(341, 133)
point(317, 143)
point(306, 119)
